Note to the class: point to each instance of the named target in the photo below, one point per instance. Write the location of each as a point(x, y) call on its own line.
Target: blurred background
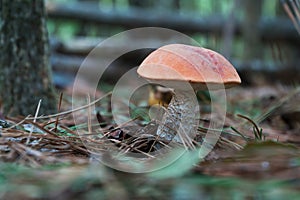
point(258, 36)
point(258, 154)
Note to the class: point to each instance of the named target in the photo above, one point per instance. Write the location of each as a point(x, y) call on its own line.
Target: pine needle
point(71, 111)
point(34, 120)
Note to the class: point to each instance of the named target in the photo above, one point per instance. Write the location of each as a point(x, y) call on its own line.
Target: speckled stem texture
point(179, 122)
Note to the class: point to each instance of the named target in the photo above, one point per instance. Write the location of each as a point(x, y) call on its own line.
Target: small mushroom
point(160, 95)
point(179, 65)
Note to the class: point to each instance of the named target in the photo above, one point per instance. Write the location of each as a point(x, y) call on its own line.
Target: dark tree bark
point(25, 75)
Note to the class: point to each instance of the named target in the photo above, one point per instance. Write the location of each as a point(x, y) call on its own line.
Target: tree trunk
point(229, 30)
point(25, 75)
point(252, 49)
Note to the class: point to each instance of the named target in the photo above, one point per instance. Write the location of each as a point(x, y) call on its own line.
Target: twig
point(278, 105)
point(291, 15)
point(17, 124)
point(296, 10)
point(34, 120)
point(239, 133)
point(251, 121)
point(41, 128)
point(89, 121)
point(237, 146)
point(129, 147)
point(71, 111)
point(58, 110)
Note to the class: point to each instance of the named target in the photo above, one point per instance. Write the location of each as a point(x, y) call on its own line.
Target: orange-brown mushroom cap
point(199, 66)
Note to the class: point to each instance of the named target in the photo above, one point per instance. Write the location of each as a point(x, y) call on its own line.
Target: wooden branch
point(272, 28)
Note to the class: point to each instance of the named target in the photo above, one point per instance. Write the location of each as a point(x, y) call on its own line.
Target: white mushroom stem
point(179, 122)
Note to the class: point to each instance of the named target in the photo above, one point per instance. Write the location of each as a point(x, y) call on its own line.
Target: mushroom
point(179, 65)
point(160, 95)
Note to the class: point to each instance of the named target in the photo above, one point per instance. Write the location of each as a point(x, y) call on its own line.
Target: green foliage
point(269, 8)
point(175, 181)
point(257, 132)
point(139, 112)
point(63, 29)
point(182, 162)
point(66, 29)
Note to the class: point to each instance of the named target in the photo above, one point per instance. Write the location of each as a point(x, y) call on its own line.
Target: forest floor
point(257, 155)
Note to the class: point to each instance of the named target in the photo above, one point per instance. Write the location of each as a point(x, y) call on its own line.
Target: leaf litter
point(240, 151)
